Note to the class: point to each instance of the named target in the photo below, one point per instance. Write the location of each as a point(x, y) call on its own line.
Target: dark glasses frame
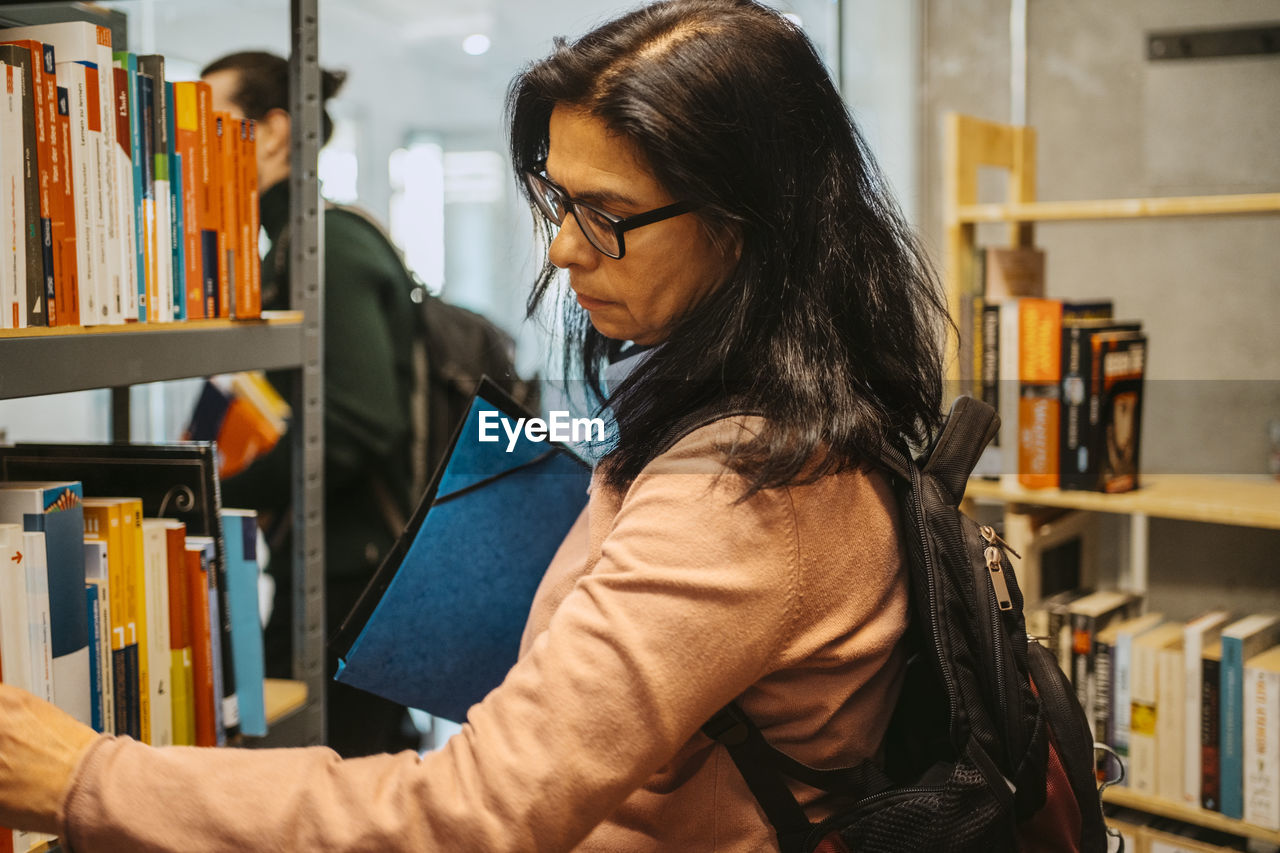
point(537, 180)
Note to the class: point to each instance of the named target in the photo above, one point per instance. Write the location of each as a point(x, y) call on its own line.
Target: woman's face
point(668, 266)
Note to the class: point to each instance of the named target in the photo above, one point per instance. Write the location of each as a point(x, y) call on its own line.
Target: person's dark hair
point(832, 323)
point(264, 85)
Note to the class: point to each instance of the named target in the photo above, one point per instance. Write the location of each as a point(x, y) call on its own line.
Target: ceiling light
point(476, 44)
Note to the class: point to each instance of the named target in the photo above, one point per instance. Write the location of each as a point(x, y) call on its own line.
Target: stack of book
point(125, 196)
point(129, 597)
point(1192, 707)
point(1066, 377)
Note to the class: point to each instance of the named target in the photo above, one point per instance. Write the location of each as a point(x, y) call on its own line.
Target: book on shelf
point(1115, 653)
point(20, 150)
point(1078, 464)
point(49, 172)
point(1262, 739)
point(1012, 272)
point(25, 642)
point(1118, 437)
point(53, 508)
point(1086, 617)
point(155, 566)
point(104, 524)
point(1211, 726)
point(206, 669)
point(97, 579)
point(107, 193)
point(1241, 640)
point(180, 638)
point(1200, 633)
point(240, 527)
point(178, 480)
point(1145, 708)
point(1170, 739)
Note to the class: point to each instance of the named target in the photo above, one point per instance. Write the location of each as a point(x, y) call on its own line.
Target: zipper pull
point(989, 534)
point(998, 582)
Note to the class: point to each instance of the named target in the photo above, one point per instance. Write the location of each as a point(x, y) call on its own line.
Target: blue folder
point(440, 624)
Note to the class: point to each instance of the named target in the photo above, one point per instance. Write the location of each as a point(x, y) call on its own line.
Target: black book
point(1077, 464)
point(178, 480)
point(33, 228)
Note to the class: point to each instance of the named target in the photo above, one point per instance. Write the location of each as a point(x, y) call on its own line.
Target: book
point(1210, 726)
point(178, 480)
point(186, 119)
point(89, 45)
point(86, 189)
point(1170, 741)
point(1122, 679)
point(1200, 633)
point(104, 523)
point(126, 64)
point(1145, 708)
point(122, 154)
point(53, 507)
point(156, 588)
point(1119, 436)
point(177, 259)
point(69, 249)
point(249, 275)
point(20, 82)
point(13, 264)
point(440, 622)
point(1077, 465)
point(152, 65)
point(240, 528)
point(1262, 739)
point(222, 151)
point(1086, 616)
point(201, 585)
point(209, 206)
point(180, 643)
point(243, 414)
point(97, 575)
point(1241, 640)
point(44, 91)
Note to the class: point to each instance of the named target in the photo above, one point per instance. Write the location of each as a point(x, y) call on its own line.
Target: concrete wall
point(1112, 124)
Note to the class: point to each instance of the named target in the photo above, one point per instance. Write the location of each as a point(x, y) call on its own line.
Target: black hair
point(264, 85)
point(832, 324)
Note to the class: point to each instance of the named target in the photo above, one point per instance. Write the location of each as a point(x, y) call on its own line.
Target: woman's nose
point(570, 247)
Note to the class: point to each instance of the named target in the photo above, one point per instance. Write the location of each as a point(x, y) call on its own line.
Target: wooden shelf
point(282, 698)
point(1188, 814)
point(1121, 208)
point(1240, 501)
point(268, 318)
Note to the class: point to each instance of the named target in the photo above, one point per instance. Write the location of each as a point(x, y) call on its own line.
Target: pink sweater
point(663, 604)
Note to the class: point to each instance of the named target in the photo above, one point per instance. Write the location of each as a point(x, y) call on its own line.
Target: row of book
point(1193, 708)
point(1066, 377)
point(124, 197)
point(140, 614)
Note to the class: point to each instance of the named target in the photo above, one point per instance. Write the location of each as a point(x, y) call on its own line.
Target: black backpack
point(988, 748)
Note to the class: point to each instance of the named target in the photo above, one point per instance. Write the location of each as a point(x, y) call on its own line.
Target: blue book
point(441, 621)
point(240, 529)
point(1241, 640)
point(96, 638)
point(175, 209)
point(57, 510)
point(129, 62)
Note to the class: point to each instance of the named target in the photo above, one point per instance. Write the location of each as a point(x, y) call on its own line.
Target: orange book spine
point(197, 576)
point(1039, 377)
point(187, 144)
point(248, 292)
point(69, 289)
point(208, 206)
point(228, 227)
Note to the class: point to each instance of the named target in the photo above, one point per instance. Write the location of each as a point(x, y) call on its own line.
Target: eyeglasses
point(602, 229)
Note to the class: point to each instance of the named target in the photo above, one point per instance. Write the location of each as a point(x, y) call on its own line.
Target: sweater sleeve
point(691, 600)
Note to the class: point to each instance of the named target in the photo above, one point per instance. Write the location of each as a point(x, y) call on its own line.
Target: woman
point(716, 205)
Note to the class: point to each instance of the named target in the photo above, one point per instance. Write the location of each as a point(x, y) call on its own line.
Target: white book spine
point(12, 196)
point(1170, 732)
point(127, 243)
point(156, 572)
point(1010, 391)
point(113, 296)
point(15, 636)
point(38, 611)
point(1142, 747)
point(83, 181)
point(1262, 748)
point(164, 252)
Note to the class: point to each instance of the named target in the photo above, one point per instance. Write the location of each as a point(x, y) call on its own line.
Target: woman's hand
point(40, 745)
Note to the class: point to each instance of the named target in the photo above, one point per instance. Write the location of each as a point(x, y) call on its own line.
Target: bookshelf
point(62, 359)
point(971, 144)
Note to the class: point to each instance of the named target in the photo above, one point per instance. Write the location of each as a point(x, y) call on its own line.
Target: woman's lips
point(590, 304)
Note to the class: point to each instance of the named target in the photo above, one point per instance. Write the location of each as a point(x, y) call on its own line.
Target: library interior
point(289, 329)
